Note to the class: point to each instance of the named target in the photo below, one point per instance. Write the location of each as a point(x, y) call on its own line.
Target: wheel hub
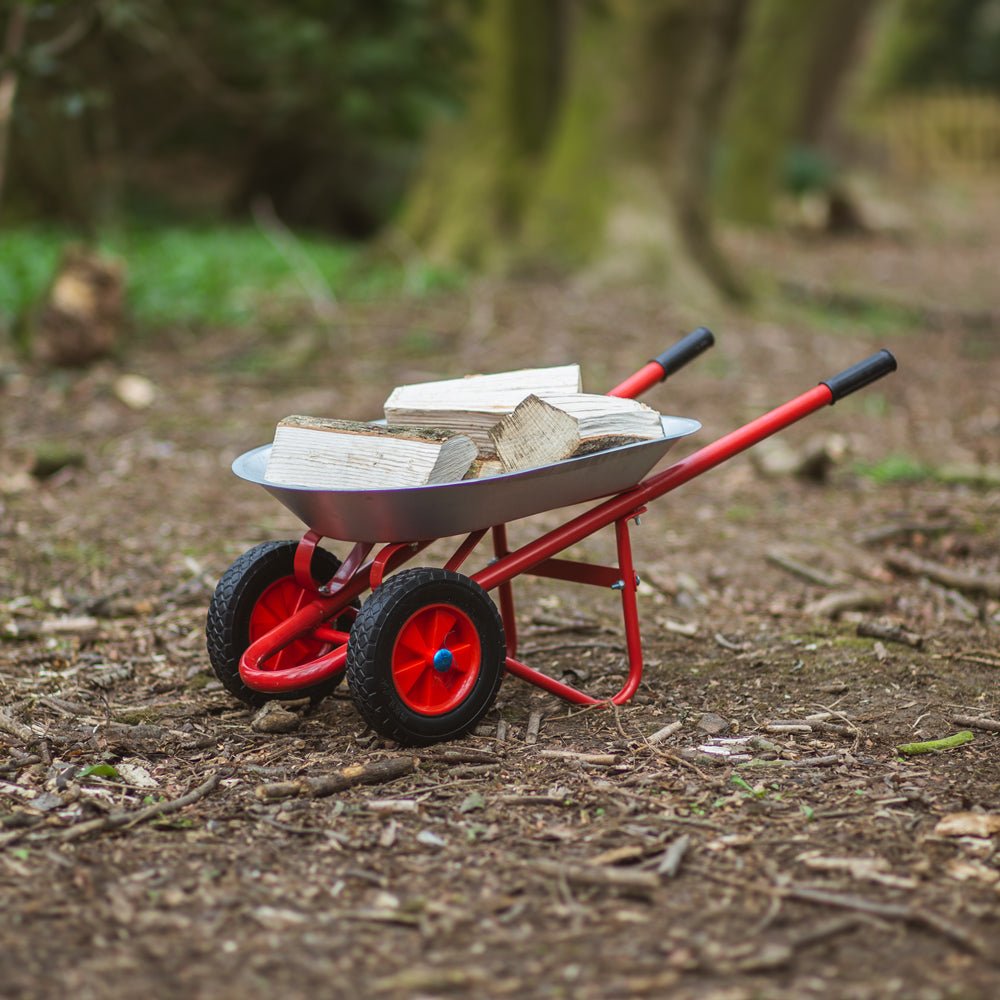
point(436, 659)
point(443, 660)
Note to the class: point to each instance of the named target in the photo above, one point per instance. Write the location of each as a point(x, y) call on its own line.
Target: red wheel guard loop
point(331, 600)
point(354, 579)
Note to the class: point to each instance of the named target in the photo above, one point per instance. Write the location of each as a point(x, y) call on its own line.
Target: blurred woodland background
point(407, 143)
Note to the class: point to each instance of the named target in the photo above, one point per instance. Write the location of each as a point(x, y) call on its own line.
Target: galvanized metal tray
point(419, 513)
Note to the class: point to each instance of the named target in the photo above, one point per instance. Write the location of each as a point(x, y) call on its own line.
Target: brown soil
point(494, 868)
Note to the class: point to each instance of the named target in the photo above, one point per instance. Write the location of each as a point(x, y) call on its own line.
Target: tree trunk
point(600, 165)
point(841, 26)
point(624, 189)
point(468, 202)
point(13, 43)
point(765, 108)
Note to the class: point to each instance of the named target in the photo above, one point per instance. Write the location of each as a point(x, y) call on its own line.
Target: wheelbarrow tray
point(420, 513)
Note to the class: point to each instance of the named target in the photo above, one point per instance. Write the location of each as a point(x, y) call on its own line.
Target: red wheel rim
point(278, 603)
point(436, 659)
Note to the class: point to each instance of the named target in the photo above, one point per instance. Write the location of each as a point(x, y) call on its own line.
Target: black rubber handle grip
point(676, 357)
point(859, 375)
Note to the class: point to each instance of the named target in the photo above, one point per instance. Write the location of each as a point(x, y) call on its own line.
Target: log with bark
point(345, 454)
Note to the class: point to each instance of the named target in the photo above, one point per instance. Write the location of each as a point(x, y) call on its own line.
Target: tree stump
point(83, 313)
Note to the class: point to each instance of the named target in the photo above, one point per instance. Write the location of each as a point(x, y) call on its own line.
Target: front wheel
point(256, 593)
point(425, 658)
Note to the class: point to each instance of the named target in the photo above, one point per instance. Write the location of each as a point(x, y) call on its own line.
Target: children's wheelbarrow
point(425, 654)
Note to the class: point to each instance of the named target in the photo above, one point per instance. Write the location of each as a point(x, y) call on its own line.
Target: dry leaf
point(968, 824)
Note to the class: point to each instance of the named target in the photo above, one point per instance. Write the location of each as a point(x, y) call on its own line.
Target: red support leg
point(506, 591)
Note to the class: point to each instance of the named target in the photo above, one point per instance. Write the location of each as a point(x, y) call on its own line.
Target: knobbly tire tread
point(374, 694)
point(226, 628)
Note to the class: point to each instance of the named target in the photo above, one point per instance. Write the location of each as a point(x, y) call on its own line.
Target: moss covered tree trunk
point(625, 185)
point(609, 170)
point(765, 108)
point(469, 199)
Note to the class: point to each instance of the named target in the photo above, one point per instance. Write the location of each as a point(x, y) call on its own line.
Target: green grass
point(204, 276)
point(897, 468)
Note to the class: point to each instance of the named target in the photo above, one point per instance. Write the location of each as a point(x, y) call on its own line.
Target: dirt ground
point(775, 844)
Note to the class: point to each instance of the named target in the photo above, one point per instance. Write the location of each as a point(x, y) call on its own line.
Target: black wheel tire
point(227, 630)
point(372, 645)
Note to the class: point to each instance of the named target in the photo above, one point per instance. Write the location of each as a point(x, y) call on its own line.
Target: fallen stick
point(664, 733)
point(835, 604)
point(970, 583)
point(892, 911)
point(977, 722)
point(670, 863)
point(826, 761)
point(932, 746)
point(583, 758)
point(372, 773)
point(534, 724)
point(802, 571)
point(625, 879)
point(890, 633)
point(460, 757)
point(125, 819)
point(17, 729)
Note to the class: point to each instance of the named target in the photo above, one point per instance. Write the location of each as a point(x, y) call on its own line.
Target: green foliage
point(98, 771)
point(807, 170)
point(315, 105)
point(935, 43)
point(188, 276)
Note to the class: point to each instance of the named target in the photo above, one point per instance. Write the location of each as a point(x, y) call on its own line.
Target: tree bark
point(13, 44)
point(764, 112)
point(624, 189)
point(468, 202)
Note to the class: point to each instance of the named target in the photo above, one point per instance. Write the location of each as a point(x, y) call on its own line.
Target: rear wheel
point(256, 593)
point(425, 658)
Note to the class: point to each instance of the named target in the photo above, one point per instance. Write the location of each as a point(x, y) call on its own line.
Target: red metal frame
point(260, 666)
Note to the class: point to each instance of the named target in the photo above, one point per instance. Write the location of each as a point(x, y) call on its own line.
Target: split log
point(540, 431)
point(348, 455)
point(472, 405)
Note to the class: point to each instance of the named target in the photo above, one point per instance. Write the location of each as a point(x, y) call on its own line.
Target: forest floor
point(775, 844)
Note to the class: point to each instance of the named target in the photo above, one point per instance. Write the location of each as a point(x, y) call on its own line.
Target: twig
point(801, 570)
point(534, 724)
point(371, 773)
point(986, 661)
point(664, 733)
point(826, 761)
point(977, 722)
point(887, 531)
point(673, 856)
point(890, 633)
point(130, 818)
point(624, 879)
point(583, 758)
point(970, 583)
point(324, 302)
point(893, 911)
point(835, 604)
point(17, 729)
point(459, 757)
